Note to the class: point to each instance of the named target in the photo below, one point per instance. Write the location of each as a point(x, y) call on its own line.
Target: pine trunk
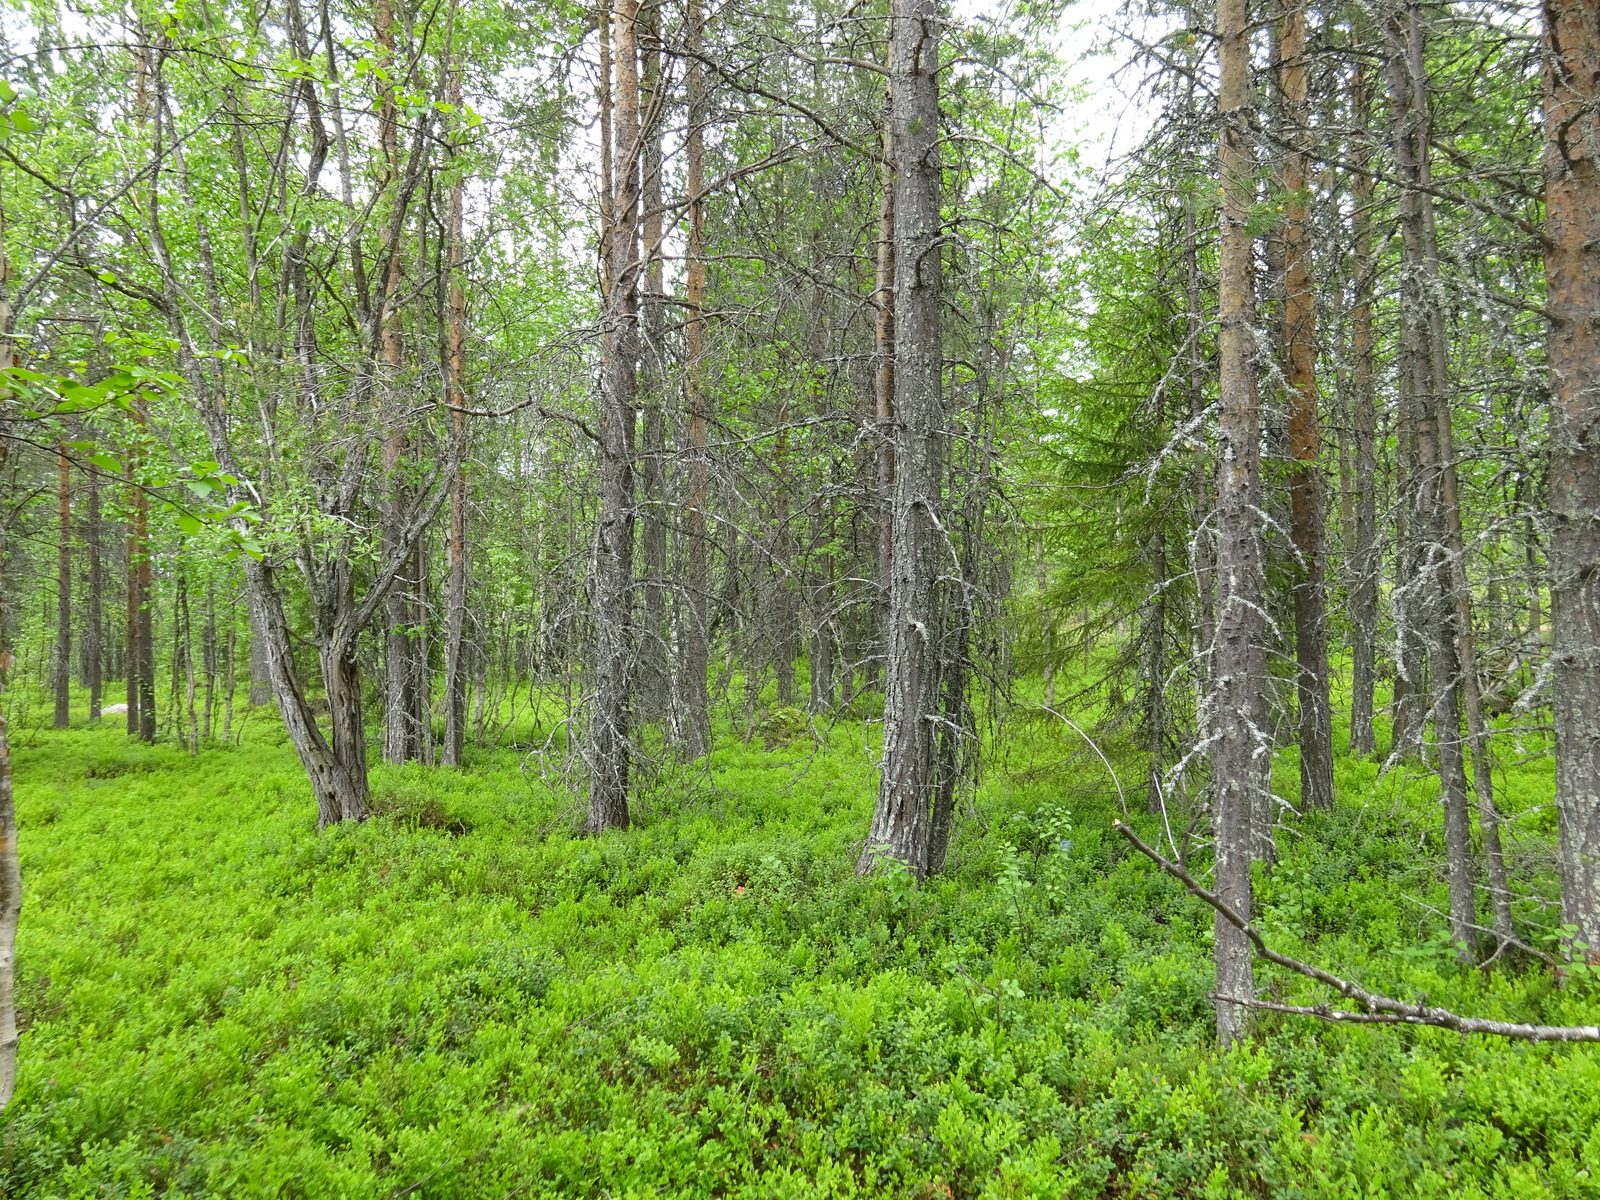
point(455, 675)
point(608, 750)
point(1364, 585)
point(1572, 278)
point(693, 634)
point(912, 651)
point(1239, 751)
point(1305, 480)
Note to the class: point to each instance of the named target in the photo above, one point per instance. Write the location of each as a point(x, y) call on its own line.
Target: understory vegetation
point(463, 997)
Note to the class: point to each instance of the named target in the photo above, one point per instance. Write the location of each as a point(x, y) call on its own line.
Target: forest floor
point(460, 998)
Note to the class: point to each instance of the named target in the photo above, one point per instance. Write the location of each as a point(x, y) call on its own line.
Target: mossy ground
point(460, 998)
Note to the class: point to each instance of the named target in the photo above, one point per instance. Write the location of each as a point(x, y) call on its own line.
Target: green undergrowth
point(461, 998)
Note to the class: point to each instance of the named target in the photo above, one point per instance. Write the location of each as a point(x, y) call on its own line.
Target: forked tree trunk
point(336, 767)
point(1572, 279)
point(694, 653)
point(608, 750)
point(912, 701)
point(1239, 753)
point(1305, 480)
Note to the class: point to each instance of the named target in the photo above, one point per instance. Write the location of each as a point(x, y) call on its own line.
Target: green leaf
point(107, 463)
point(189, 523)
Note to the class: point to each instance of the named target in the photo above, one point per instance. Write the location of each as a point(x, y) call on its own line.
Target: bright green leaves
point(43, 396)
point(13, 117)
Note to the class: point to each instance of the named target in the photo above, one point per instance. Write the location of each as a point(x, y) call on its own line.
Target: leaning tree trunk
point(1572, 279)
point(912, 701)
point(1305, 481)
point(1239, 753)
point(608, 749)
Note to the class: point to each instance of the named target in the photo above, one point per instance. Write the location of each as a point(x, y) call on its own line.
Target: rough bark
point(1305, 479)
point(336, 767)
point(1572, 278)
point(912, 652)
point(883, 359)
point(405, 700)
point(1423, 376)
point(653, 679)
point(1364, 585)
point(1239, 751)
point(608, 750)
point(260, 679)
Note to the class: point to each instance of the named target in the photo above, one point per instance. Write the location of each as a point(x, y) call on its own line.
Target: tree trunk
point(883, 375)
point(608, 750)
point(455, 675)
point(141, 665)
point(337, 769)
point(1423, 367)
point(61, 668)
point(1364, 588)
point(10, 865)
point(1153, 655)
point(1305, 480)
point(208, 658)
point(405, 704)
point(1240, 753)
point(694, 652)
point(260, 678)
point(653, 678)
point(1572, 278)
point(912, 651)
point(94, 603)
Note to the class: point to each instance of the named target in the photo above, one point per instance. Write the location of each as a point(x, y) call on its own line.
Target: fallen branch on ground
point(1375, 1009)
